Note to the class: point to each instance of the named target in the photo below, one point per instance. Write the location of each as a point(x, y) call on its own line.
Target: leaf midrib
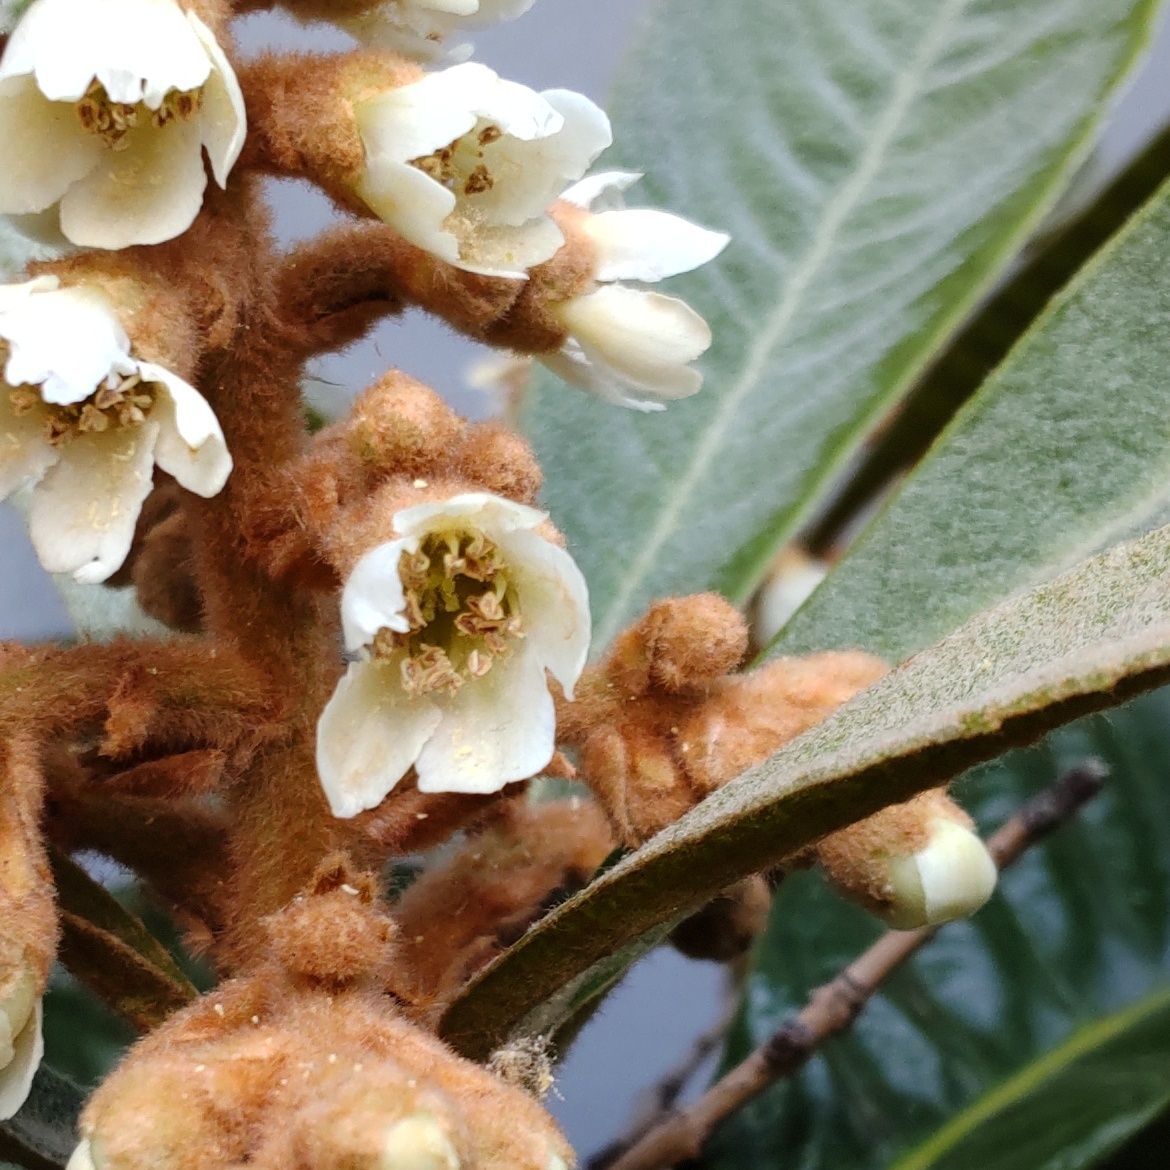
point(908, 84)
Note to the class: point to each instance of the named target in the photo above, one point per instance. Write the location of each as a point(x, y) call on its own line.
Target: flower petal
point(191, 445)
point(554, 603)
point(83, 512)
point(593, 187)
point(46, 150)
point(97, 344)
point(368, 736)
point(496, 730)
point(25, 454)
point(137, 49)
point(508, 252)
point(414, 120)
point(494, 515)
point(16, 1076)
point(223, 119)
point(373, 599)
point(412, 203)
point(641, 244)
point(148, 193)
point(646, 338)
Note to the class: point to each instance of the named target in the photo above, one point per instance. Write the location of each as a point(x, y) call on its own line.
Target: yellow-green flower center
point(462, 610)
point(121, 402)
point(112, 121)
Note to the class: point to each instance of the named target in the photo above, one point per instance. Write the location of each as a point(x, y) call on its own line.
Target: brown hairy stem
point(833, 1007)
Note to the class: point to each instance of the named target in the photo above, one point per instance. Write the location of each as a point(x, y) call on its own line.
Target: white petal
point(414, 120)
point(493, 10)
point(554, 603)
point(368, 736)
point(593, 187)
point(647, 245)
point(497, 729)
point(412, 203)
point(148, 193)
point(572, 366)
point(17, 1076)
point(25, 454)
point(13, 295)
point(82, 1157)
point(137, 49)
point(83, 512)
point(65, 341)
point(518, 111)
point(191, 445)
point(508, 252)
point(373, 599)
point(492, 515)
point(222, 119)
point(646, 338)
point(417, 1143)
point(957, 873)
point(46, 150)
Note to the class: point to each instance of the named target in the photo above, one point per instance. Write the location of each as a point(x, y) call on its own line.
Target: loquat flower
point(106, 110)
point(418, 28)
point(21, 1045)
point(84, 422)
point(455, 620)
point(464, 165)
point(628, 345)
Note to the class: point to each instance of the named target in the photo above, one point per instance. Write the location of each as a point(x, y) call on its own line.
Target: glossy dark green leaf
point(878, 164)
point(1034, 1037)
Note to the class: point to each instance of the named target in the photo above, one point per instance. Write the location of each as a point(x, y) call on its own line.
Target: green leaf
point(959, 371)
point(1065, 450)
point(1034, 1037)
point(878, 165)
point(42, 1135)
point(1082, 642)
point(110, 950)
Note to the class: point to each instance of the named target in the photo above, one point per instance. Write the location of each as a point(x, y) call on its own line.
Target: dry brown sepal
point(306, 1064)
point(519, 862)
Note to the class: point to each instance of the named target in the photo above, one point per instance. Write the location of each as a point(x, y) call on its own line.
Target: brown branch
point(833, 1007)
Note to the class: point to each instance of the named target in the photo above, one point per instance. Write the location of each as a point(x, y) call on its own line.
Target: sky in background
point(640, 1032)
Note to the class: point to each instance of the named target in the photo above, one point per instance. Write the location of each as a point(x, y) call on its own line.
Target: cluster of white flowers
point(112, 113)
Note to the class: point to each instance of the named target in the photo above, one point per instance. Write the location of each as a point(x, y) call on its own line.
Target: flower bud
point(914, 864)
point(418, 1143)
point(21, 1045)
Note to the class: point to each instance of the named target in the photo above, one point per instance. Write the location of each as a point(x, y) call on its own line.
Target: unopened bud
point(81, 1158)
point(914, 864)
point(792, 579)
point(951, 877)
point(418, 1143)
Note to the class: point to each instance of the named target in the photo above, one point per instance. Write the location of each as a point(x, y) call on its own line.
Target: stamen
point(122, 402)
point(112, 121)
point(461, 610)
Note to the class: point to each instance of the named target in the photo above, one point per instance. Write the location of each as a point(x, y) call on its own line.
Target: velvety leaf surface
point(1034, 1037)
point(878, 164)
point(1070, 646)
point(1065, 450)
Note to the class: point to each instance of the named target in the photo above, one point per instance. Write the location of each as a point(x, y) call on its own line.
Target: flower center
point(460, 166)
point(121, 402)
point(462, 610)
point(112, 121)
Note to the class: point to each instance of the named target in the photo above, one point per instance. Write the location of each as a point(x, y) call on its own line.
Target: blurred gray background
point(649, 1024)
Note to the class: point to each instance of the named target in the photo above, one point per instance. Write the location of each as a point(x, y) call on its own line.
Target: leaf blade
point(796, 312)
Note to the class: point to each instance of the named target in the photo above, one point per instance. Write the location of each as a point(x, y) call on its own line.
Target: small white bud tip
point(950, 878)
point(418, 1143)
point(556, 1162)
point(82, 1157)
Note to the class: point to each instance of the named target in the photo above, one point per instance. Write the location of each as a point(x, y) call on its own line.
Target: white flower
point(21, 1045)
point(456, 621)
point(950, 877)
point(627, 343)
point(417, 28)
point(465, 165)
point(85, 422)
point(106, 107)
